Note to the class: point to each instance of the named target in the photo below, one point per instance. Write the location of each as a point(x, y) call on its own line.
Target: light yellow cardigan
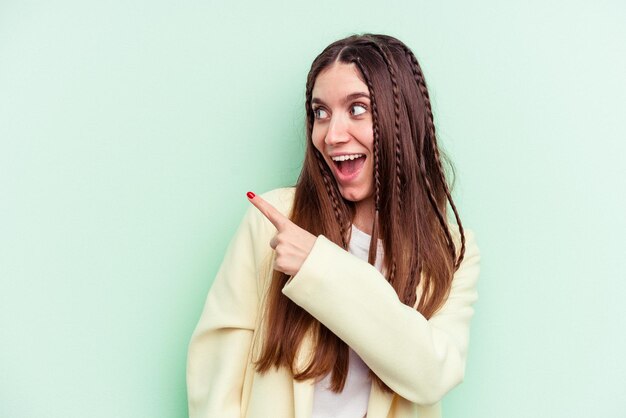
point(421, 360)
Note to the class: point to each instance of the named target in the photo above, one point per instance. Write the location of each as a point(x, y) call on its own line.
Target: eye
point(358, 109)
point(319, 113)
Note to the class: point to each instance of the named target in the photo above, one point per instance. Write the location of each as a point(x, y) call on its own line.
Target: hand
point(292, 243)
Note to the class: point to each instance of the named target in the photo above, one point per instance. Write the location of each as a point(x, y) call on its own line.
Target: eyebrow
point(348, 98)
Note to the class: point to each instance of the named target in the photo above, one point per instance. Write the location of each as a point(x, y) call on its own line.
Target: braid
point(376, 130)
point(376, 133)
point(430, 125)
point(396, 125)
point(410, 294)
point(328, 183)
point(396, 138)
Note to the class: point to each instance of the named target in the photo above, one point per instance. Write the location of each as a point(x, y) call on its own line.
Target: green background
point(131, 130)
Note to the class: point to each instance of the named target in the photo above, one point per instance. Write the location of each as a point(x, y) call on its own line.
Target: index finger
point(271, 213)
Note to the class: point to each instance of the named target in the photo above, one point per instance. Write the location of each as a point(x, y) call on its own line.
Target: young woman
point(351, 294)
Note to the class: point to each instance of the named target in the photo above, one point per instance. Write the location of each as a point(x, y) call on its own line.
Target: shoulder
point(470, 238)
point(471, 257)
point(281, 198)
point(467, 274)
point(259, 229)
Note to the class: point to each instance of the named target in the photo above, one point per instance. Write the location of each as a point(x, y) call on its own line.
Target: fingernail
point(250, 195)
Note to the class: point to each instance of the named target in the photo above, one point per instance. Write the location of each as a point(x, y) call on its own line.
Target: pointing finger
point(271, 213)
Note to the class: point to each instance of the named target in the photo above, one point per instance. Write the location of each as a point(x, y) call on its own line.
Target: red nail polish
point(250, 195)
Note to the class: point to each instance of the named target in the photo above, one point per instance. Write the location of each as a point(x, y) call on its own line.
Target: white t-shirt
point(352, 401)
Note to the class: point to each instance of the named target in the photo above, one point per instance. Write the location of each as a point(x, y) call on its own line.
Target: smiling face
point(342, 130)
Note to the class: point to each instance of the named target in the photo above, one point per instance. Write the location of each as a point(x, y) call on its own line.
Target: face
point(342, 130)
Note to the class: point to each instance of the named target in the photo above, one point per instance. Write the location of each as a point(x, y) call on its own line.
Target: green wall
point(131, 130)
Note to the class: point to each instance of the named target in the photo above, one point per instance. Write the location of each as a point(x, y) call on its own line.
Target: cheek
point(318, 139)
point(366, 135)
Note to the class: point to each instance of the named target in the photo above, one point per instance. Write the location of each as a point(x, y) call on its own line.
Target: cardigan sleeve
point(220, 344)
point(419, 359)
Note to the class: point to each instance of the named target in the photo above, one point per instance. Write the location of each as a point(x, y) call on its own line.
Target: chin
point(354, 195)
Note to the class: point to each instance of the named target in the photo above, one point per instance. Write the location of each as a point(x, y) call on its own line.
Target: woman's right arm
point(219, 347)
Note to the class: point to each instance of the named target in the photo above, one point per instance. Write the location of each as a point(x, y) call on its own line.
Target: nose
point(338, 131)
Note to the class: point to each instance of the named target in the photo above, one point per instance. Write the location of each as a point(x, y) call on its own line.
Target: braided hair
point(410, 200)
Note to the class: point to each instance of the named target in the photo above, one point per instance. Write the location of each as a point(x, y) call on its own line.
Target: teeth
point(347, 157)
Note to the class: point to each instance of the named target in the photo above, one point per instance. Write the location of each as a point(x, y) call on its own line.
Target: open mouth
point(348, 165)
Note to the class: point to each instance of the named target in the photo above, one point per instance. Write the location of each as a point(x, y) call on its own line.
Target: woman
point(294, 325)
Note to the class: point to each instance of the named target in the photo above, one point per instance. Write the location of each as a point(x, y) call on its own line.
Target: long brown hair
point(411, 195)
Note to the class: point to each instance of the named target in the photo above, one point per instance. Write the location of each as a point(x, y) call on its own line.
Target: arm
point(419, 359)
point(219, 347)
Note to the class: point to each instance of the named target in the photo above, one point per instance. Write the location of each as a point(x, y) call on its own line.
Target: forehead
point(338, 79)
